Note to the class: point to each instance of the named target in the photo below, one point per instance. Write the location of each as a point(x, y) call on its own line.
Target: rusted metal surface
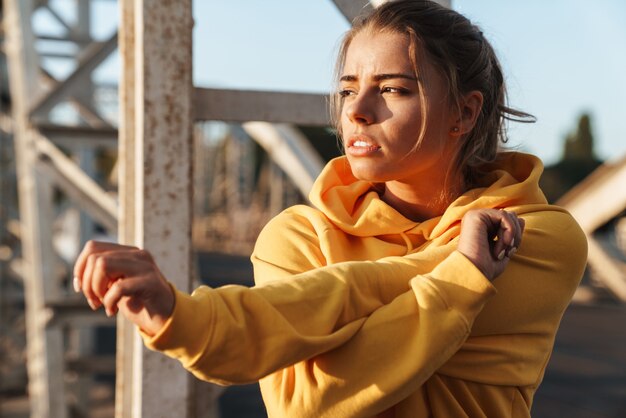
point(246, 105)
point(126, 338)
point(156, 157)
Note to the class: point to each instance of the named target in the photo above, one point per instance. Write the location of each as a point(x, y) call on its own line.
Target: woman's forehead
point(378, 51)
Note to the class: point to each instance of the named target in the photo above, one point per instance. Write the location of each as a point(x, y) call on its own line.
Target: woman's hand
point(489, 237)
point(127, 279)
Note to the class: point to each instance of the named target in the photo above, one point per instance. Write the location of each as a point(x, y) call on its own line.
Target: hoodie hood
point(355, 207)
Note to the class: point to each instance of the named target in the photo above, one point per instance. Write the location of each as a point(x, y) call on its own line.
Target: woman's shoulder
point(553, 233)
point(554, 221)
point(289, 243)
point(298, 219)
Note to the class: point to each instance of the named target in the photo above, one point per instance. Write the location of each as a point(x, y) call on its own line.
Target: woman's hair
point(466, 61)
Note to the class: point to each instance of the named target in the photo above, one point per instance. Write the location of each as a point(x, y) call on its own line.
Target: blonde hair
point(467, 62)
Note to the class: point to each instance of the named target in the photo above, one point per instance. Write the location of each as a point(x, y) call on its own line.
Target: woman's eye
point(395, 90)
point(345, 93)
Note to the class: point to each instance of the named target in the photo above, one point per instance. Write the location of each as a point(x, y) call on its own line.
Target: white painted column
point(46, 385)
point(155, 186)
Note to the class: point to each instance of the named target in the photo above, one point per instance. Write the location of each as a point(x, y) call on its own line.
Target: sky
point(561, 58)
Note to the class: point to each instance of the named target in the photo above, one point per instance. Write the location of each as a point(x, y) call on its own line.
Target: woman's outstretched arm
point(119, 277)
point(234, 334)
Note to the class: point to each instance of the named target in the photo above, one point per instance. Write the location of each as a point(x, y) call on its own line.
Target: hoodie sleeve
point(353, 339)
point(381, 326)
point(513, 336)
point(418, 322)
point(402, 343)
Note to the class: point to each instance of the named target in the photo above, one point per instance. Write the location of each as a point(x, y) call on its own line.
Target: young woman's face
point(382, 115)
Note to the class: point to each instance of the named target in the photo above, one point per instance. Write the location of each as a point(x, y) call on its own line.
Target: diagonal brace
point(94, 55)
point(81, 188)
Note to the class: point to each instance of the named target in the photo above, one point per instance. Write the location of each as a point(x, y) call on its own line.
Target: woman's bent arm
point(237, 335)
point(512, 336)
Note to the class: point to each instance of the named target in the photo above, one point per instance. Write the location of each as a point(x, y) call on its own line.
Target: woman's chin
point(366, 172)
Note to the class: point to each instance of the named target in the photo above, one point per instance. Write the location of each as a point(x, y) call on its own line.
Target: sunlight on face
point(382, 114)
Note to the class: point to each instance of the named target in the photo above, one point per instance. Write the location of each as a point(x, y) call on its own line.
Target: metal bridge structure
point(598, 200)
point(153, 202)
point(152, 206)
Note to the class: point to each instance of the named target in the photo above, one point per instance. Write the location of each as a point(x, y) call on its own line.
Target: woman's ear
point(470, 107)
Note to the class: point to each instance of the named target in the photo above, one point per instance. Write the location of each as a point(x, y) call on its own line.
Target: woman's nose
point(360, 110)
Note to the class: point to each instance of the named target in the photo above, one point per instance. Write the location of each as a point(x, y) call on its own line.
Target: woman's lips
point(360, 146)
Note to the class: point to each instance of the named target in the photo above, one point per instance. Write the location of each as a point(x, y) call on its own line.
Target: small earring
point(455, 129)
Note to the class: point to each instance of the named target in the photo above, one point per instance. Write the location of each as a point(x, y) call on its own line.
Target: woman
point(381, 300)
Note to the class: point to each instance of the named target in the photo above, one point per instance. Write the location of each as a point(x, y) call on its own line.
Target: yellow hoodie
point(360, 312)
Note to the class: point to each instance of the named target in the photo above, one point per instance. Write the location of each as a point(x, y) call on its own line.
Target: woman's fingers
point(98, 264)
point(108, 273)
point(85, 281)
point(518, 235)
point(489, 237)
point(90, 248)
point(119, 289)
point(499, 247)
point(112, 266)
point(509, 235)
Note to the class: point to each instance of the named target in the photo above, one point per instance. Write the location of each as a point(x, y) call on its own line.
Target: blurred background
point(59, 84)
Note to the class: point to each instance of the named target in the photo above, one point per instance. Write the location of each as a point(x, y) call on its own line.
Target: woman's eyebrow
point(348, 78)
point(380, 77)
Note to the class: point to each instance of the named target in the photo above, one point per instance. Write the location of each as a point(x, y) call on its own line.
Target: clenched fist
point(125, 278)
point(489, 237)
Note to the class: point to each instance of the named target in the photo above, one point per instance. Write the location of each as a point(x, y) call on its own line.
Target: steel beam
point(446, 3)
point(156, 183)
point(605, 184)
point(126, 339)
point(67, 38)
point(265, 106)
point(60, 134)
point(58, 18)
point(6, 123)
point(351, 9)
point(81, 102)
point(93, 56)
point(290, 150)
point(609, 271)
point(44, 344)
point(81, 188)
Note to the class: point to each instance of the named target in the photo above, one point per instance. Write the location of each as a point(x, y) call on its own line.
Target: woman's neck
point(420, 202)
